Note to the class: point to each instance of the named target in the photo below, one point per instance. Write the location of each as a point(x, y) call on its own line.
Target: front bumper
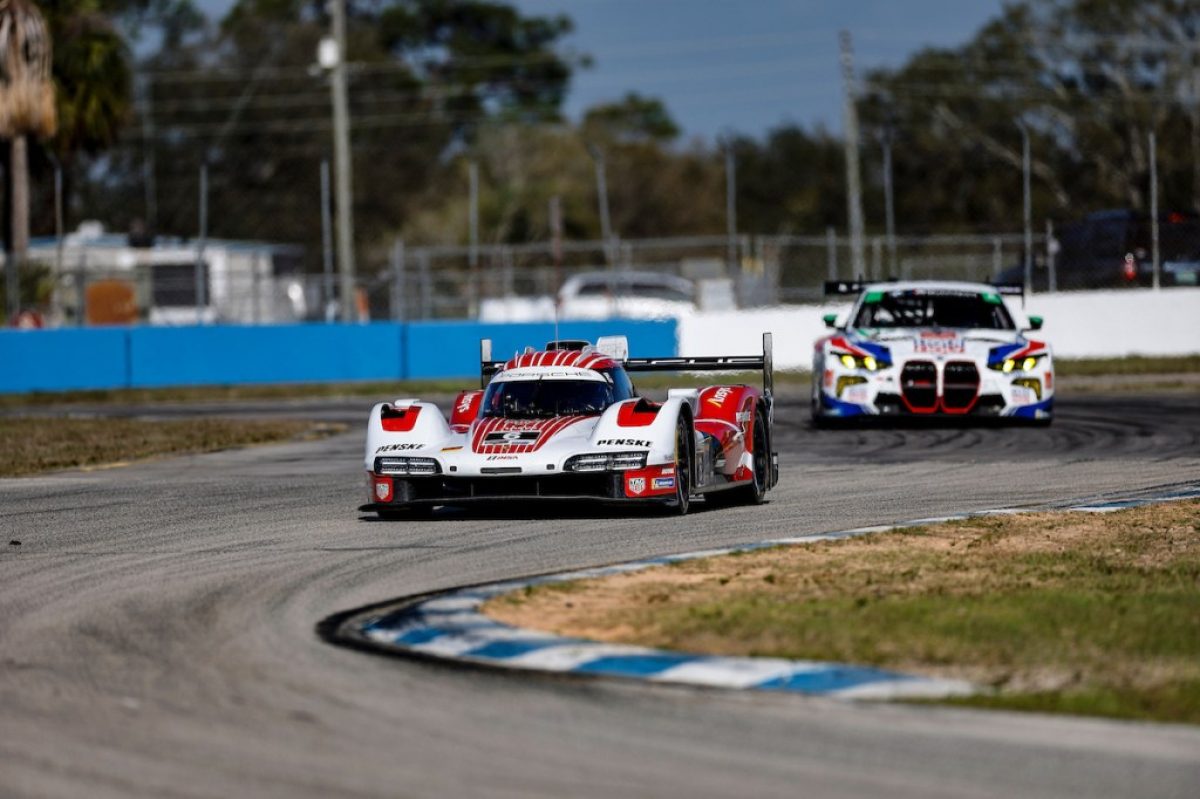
point(653, 483)
point(941, 389)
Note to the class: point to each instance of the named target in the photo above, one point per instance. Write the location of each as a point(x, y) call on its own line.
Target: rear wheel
point(683, 468)
point(756, 491)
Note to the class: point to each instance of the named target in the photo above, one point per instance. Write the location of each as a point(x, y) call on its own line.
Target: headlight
point(867, 362)
point(1010, 365)
point(606, 462)
point(406, 466)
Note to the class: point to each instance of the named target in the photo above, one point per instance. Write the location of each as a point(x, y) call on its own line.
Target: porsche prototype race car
point(566, 423)
point(925, 348)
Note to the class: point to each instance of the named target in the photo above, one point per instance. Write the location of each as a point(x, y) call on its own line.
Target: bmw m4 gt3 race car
point(925, 348)
point(566, 423)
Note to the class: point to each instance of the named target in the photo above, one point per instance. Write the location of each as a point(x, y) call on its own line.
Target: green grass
point(1075, 613)
point(33, 444)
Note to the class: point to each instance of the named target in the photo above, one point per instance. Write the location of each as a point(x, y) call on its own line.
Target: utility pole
point(1154, 209)
point(200, 273)
point(327, 300)
point(602, 199)
point(149, 183)
point(55, 298)
point(853, 177)
point(473, 234)
point(341, 161)
point(556, 233)
point(731, 205)
point(889, 208)
point(1028, 202)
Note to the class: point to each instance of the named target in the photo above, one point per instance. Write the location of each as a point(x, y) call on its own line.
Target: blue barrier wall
point(229, 355)
point(60, 360)
point(144, 357)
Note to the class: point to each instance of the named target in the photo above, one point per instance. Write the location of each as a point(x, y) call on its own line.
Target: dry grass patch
point(1056, 611)
point(34, 444)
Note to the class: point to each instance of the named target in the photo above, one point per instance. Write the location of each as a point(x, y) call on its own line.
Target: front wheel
point(681, 502)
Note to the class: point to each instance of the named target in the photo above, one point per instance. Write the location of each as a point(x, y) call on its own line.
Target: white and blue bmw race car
point(930, 349)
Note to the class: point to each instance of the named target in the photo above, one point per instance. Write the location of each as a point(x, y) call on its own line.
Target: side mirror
point(830, 320)
point(1035, 323)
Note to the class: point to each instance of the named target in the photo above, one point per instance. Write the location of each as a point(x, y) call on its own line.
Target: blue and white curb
point(450, 626)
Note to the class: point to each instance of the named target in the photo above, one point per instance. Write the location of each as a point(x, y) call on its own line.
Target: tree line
point(149, 90)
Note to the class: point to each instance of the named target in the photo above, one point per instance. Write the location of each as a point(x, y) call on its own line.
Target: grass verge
point(1063, 612)
point(30, 444)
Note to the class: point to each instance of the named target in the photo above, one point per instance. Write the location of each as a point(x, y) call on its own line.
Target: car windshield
point(545, 399)
point(922, 309)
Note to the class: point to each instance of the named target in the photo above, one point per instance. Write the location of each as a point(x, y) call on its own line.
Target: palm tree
point(26, 107)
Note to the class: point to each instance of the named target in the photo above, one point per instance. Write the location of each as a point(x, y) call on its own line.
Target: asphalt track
point(157, 631)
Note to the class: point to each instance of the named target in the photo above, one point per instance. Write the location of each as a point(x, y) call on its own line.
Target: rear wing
point(701, 363)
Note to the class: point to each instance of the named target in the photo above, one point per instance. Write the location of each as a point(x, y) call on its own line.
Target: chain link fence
point(95, 278)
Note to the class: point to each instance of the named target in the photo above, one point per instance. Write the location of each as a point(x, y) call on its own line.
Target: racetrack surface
point(158, 636)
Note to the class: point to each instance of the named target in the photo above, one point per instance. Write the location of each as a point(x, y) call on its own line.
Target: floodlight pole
point(327, 301)
point(341, 161)
point(602, 199)
point(1157, 255)
point(1028, 210)
point(853, 174)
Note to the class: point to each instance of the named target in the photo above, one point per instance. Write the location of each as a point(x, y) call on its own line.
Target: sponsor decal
point(939, 344)
point(464, 403)
point(718, 398)
point(512, 438)
point(637, 485)
point(856, 394)
point(502, 458)
point(1023, 396)
point(743, 416)
point(668, 470)
point(663, 482)
point(622, 442)
point(383, 490)
point(397, 448)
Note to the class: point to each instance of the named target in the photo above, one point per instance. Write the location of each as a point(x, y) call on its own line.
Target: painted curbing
point(449, 626)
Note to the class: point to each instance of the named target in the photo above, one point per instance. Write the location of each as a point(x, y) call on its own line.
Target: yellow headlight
point(1009, 365)
point(869, 362)
point(848, 361)
point(1028, 364)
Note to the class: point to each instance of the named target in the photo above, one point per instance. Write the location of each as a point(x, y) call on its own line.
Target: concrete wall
point(1084, 324)
point(141, 357)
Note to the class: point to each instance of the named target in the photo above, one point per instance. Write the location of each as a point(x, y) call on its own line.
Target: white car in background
point(635, 295)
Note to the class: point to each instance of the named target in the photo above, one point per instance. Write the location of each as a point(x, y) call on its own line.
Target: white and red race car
point(931, 349)
point(566, 423)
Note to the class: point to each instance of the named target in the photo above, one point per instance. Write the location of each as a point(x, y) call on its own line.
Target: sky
point(743, 66)
point(747, 66)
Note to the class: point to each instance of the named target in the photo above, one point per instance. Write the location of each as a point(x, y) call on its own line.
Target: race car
point(566, 423)
point(926, 349)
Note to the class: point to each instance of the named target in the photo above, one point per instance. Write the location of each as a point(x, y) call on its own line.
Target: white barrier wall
point(1083, 324)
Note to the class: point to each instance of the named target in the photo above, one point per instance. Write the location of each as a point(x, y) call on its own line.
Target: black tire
point(682, 501)
point(756, 492)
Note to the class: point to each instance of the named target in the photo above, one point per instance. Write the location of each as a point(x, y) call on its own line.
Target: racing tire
point(681, 502)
